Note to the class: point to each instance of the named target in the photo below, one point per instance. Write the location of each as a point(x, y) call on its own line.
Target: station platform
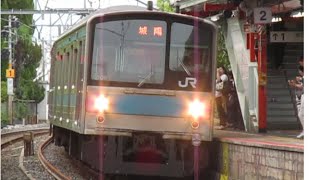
point(280, 140)
point(241, 155)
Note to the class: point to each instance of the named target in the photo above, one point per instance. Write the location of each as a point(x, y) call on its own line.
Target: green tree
point(222, 54)
point(22, 110)
point(4, 95)
point(4, 118)
point(164, 5)
point(27, 55)
point(4, 98)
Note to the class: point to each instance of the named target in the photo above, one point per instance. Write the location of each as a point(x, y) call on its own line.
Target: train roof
point(113, 9)
point(118, 9)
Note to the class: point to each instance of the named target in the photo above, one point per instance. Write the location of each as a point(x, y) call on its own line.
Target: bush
point(21, 110)
point(4, 94)
point(4, 119)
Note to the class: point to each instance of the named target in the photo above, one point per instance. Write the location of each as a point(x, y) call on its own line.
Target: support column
point(262, 71)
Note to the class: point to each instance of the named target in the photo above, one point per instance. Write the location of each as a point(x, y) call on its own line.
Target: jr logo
point(189, 80)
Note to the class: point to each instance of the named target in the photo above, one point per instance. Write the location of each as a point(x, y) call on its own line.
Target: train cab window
point(189, 52)
point(189, 56)
point(129, 51)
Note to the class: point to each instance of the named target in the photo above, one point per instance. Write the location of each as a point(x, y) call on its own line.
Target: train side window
point(79, 79)
point(56, 82)
point(75, 66)
point(74, 82)
point(69, 81)
point(62, 82)
point(52, 84)
point(65, 78)
point(58, 74)
point(70, 69)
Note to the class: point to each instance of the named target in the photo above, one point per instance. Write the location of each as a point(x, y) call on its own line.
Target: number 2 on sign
point(263, 15)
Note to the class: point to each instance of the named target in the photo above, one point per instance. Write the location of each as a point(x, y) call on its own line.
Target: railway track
point(12, 146)
point(13, 137)
point(47, 165)
point(84, 170)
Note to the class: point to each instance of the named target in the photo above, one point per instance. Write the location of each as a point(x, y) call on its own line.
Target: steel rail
point(13, 137)
point(47, 165)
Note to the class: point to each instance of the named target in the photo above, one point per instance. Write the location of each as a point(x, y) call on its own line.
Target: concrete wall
point(241, 162)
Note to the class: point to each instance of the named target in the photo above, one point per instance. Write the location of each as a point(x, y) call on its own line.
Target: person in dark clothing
point(234, 116)
point(301, 61)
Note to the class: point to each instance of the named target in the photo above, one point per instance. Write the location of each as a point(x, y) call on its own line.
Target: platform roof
point(278, 6)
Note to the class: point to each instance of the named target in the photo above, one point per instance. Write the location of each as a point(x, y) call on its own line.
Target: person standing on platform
point(221, 80)
point(298, 84)
point(301, 61)
point(234, 115)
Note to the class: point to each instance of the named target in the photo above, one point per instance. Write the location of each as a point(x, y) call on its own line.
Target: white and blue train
point(130, 89)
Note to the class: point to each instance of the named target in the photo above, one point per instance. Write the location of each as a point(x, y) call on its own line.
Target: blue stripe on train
point(147, 105)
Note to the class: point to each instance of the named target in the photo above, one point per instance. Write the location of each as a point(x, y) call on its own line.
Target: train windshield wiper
point(184, 67)
point(147, 77)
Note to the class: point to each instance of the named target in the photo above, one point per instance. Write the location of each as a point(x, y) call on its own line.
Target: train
point(132, 91)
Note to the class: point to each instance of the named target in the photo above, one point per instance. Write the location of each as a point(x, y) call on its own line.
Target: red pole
point(251, 43)
point(262, 70)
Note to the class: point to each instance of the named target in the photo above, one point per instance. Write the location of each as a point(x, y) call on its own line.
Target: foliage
point(21, 110)
point(4, 66)
point(4, 95)
point(222, 55)
point(18, 4)
point(4, 118)
point(164, 5)
point(30, 90)
point(26, 54)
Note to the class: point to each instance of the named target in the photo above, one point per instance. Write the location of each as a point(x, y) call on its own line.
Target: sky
point(45, 32)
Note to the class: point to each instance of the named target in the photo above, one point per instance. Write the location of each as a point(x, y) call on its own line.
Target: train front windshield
point(132, 53)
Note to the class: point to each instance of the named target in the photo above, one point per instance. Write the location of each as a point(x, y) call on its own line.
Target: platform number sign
point(10, 73)
point(262, 15)
point(286, 36)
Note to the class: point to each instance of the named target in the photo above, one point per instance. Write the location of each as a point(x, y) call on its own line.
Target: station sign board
point(262, 15)
point(286, 36)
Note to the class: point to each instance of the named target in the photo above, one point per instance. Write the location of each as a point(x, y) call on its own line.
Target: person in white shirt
point(298, 84)
point(220, 99)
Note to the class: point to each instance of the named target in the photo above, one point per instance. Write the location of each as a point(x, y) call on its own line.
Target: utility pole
point(11, 73)
point(43, 62)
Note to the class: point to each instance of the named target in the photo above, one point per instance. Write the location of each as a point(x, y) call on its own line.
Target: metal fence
point(23, 112)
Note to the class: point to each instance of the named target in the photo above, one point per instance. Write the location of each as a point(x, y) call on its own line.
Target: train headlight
point(197, 109)
point(101, 103)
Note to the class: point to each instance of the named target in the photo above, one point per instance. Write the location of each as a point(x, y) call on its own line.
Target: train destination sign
point(155, 31)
